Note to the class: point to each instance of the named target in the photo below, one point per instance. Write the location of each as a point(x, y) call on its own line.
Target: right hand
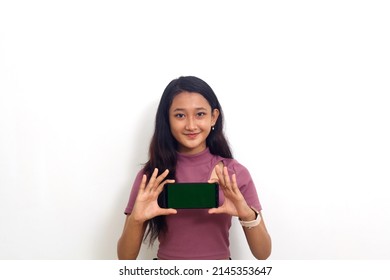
point(146, 206)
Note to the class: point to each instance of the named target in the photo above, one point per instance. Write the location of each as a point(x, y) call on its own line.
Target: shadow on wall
point(114, 221)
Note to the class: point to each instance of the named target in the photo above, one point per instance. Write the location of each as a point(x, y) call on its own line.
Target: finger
point(160, 212)
point(143, 183)
point(213, 180)
point(226, 178)
point(234, 183)
point(161, 177)
point(152, 178)
point(157, 183)
point(219, 173)
point(168, 211)
point(218, 210)
point(160, 188)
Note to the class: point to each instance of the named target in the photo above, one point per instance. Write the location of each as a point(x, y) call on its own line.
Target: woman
point(188, 145)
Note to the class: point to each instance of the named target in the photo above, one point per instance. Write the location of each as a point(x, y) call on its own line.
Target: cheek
point(206, 124)
point(175, 127)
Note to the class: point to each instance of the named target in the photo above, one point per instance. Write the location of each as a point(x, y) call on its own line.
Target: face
point(191, 119)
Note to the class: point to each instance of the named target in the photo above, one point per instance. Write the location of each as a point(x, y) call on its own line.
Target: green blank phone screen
point(192, 195)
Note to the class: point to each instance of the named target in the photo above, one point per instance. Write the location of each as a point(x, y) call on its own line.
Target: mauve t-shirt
point(193, 233)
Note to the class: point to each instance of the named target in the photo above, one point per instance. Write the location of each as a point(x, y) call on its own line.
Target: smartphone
point(189, 196)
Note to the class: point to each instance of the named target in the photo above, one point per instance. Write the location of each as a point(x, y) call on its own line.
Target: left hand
point(234, 204)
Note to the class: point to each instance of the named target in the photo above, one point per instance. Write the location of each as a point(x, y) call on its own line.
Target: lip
point(191, 135)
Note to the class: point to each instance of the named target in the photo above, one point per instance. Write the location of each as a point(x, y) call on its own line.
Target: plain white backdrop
point(305, 91)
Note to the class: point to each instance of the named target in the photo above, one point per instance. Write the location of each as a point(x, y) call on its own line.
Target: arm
point(129, 243)
point(257, 237)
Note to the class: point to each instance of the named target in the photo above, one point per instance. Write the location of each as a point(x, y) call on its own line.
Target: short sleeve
point(134, 192)
point(245, 183)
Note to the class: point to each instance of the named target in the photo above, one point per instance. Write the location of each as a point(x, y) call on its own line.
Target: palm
point(228, 207)
point(146, 206)
point(234, 203)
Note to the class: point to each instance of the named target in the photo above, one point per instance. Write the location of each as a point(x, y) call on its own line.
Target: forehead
point(189, 100)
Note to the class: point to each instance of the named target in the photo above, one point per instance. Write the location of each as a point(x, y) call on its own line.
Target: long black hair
point(163, 146)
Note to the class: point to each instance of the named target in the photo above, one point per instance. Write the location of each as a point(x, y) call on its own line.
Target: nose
point(190, 124)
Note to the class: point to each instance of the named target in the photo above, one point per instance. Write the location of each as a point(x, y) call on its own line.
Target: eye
point(179, 116)
point(201, 114)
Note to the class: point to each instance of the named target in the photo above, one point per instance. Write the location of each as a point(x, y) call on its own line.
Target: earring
point(212, 128)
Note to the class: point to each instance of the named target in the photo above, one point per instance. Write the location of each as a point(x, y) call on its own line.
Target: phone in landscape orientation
point(189, 196)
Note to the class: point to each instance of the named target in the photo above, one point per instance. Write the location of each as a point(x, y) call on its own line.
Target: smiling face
point(191, 119)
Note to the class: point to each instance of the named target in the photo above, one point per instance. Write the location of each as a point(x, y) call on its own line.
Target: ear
point(214, 116)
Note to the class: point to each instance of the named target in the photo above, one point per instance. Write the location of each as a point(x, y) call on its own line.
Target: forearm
point(259, 241)
point(130, 242)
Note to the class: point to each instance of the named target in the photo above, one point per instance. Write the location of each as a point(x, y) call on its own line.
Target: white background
point(305, 91)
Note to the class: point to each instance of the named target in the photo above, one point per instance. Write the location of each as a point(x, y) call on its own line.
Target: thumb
point(213, 180)
point(215, 210)
point(169, 211)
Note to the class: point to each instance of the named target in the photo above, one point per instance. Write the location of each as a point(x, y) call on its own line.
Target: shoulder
point(137, 180)
point(234, 165)
point(139, 175)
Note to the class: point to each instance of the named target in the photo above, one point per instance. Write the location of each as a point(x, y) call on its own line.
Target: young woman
point(189, 145)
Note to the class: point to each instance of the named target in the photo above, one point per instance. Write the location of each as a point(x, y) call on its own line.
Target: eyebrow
point(182, 109)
